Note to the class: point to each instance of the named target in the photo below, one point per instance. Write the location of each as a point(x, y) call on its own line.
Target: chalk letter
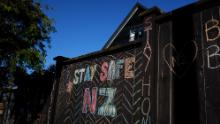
point(119, 66)
point(87, 74)
point(211, 27)
point(93, 70)
point(89, 102)
point(104, 69)
point(81, 71)
point(76, 77)
point(111, 70)
point(146, 103)
point(107, 108)
point(129, 67)
point(146, 121)
point(213, 55)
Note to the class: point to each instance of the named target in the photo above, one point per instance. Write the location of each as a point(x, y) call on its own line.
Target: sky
point(84, 26)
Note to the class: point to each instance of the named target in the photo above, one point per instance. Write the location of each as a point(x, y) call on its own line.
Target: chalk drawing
point(119, 66)
point(196, 50)
point(104, 73)
point(211, 26)
point(88, 101)
point(172, 59)
point(146, 120)
point(81, 71)
point(107, 108)
point(93, 70)
point(87, 74)
point(146, 85)
point(213, 55)
point(147, 49)
point(111, 70)
point(69, 87)
point(146, 102)
point(129, 67)
point(147, 53)
point(78, 76)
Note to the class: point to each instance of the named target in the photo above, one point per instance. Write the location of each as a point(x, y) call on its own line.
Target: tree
point(32, 95)
point(25, 33)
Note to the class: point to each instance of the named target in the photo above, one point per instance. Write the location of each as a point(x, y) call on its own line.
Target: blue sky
point(84, 26)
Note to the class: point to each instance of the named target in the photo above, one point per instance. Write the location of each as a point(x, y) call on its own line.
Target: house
point(156, 68)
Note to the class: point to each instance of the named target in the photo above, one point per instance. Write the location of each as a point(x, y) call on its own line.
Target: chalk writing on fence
point(146, 84)
point(146, 120)
point(88, 101)
point(129, 67)
point(146, 101)
point(211, 56)
point(212, 30)
point(69, 87)
point(171, 61)
point(147, 49)
point(107, 108)
point(109, 72)
point(212, 33)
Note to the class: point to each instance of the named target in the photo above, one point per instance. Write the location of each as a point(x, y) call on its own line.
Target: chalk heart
point(182, 59)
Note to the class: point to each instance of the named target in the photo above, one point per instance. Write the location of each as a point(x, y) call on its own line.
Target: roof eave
point(123, 24)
